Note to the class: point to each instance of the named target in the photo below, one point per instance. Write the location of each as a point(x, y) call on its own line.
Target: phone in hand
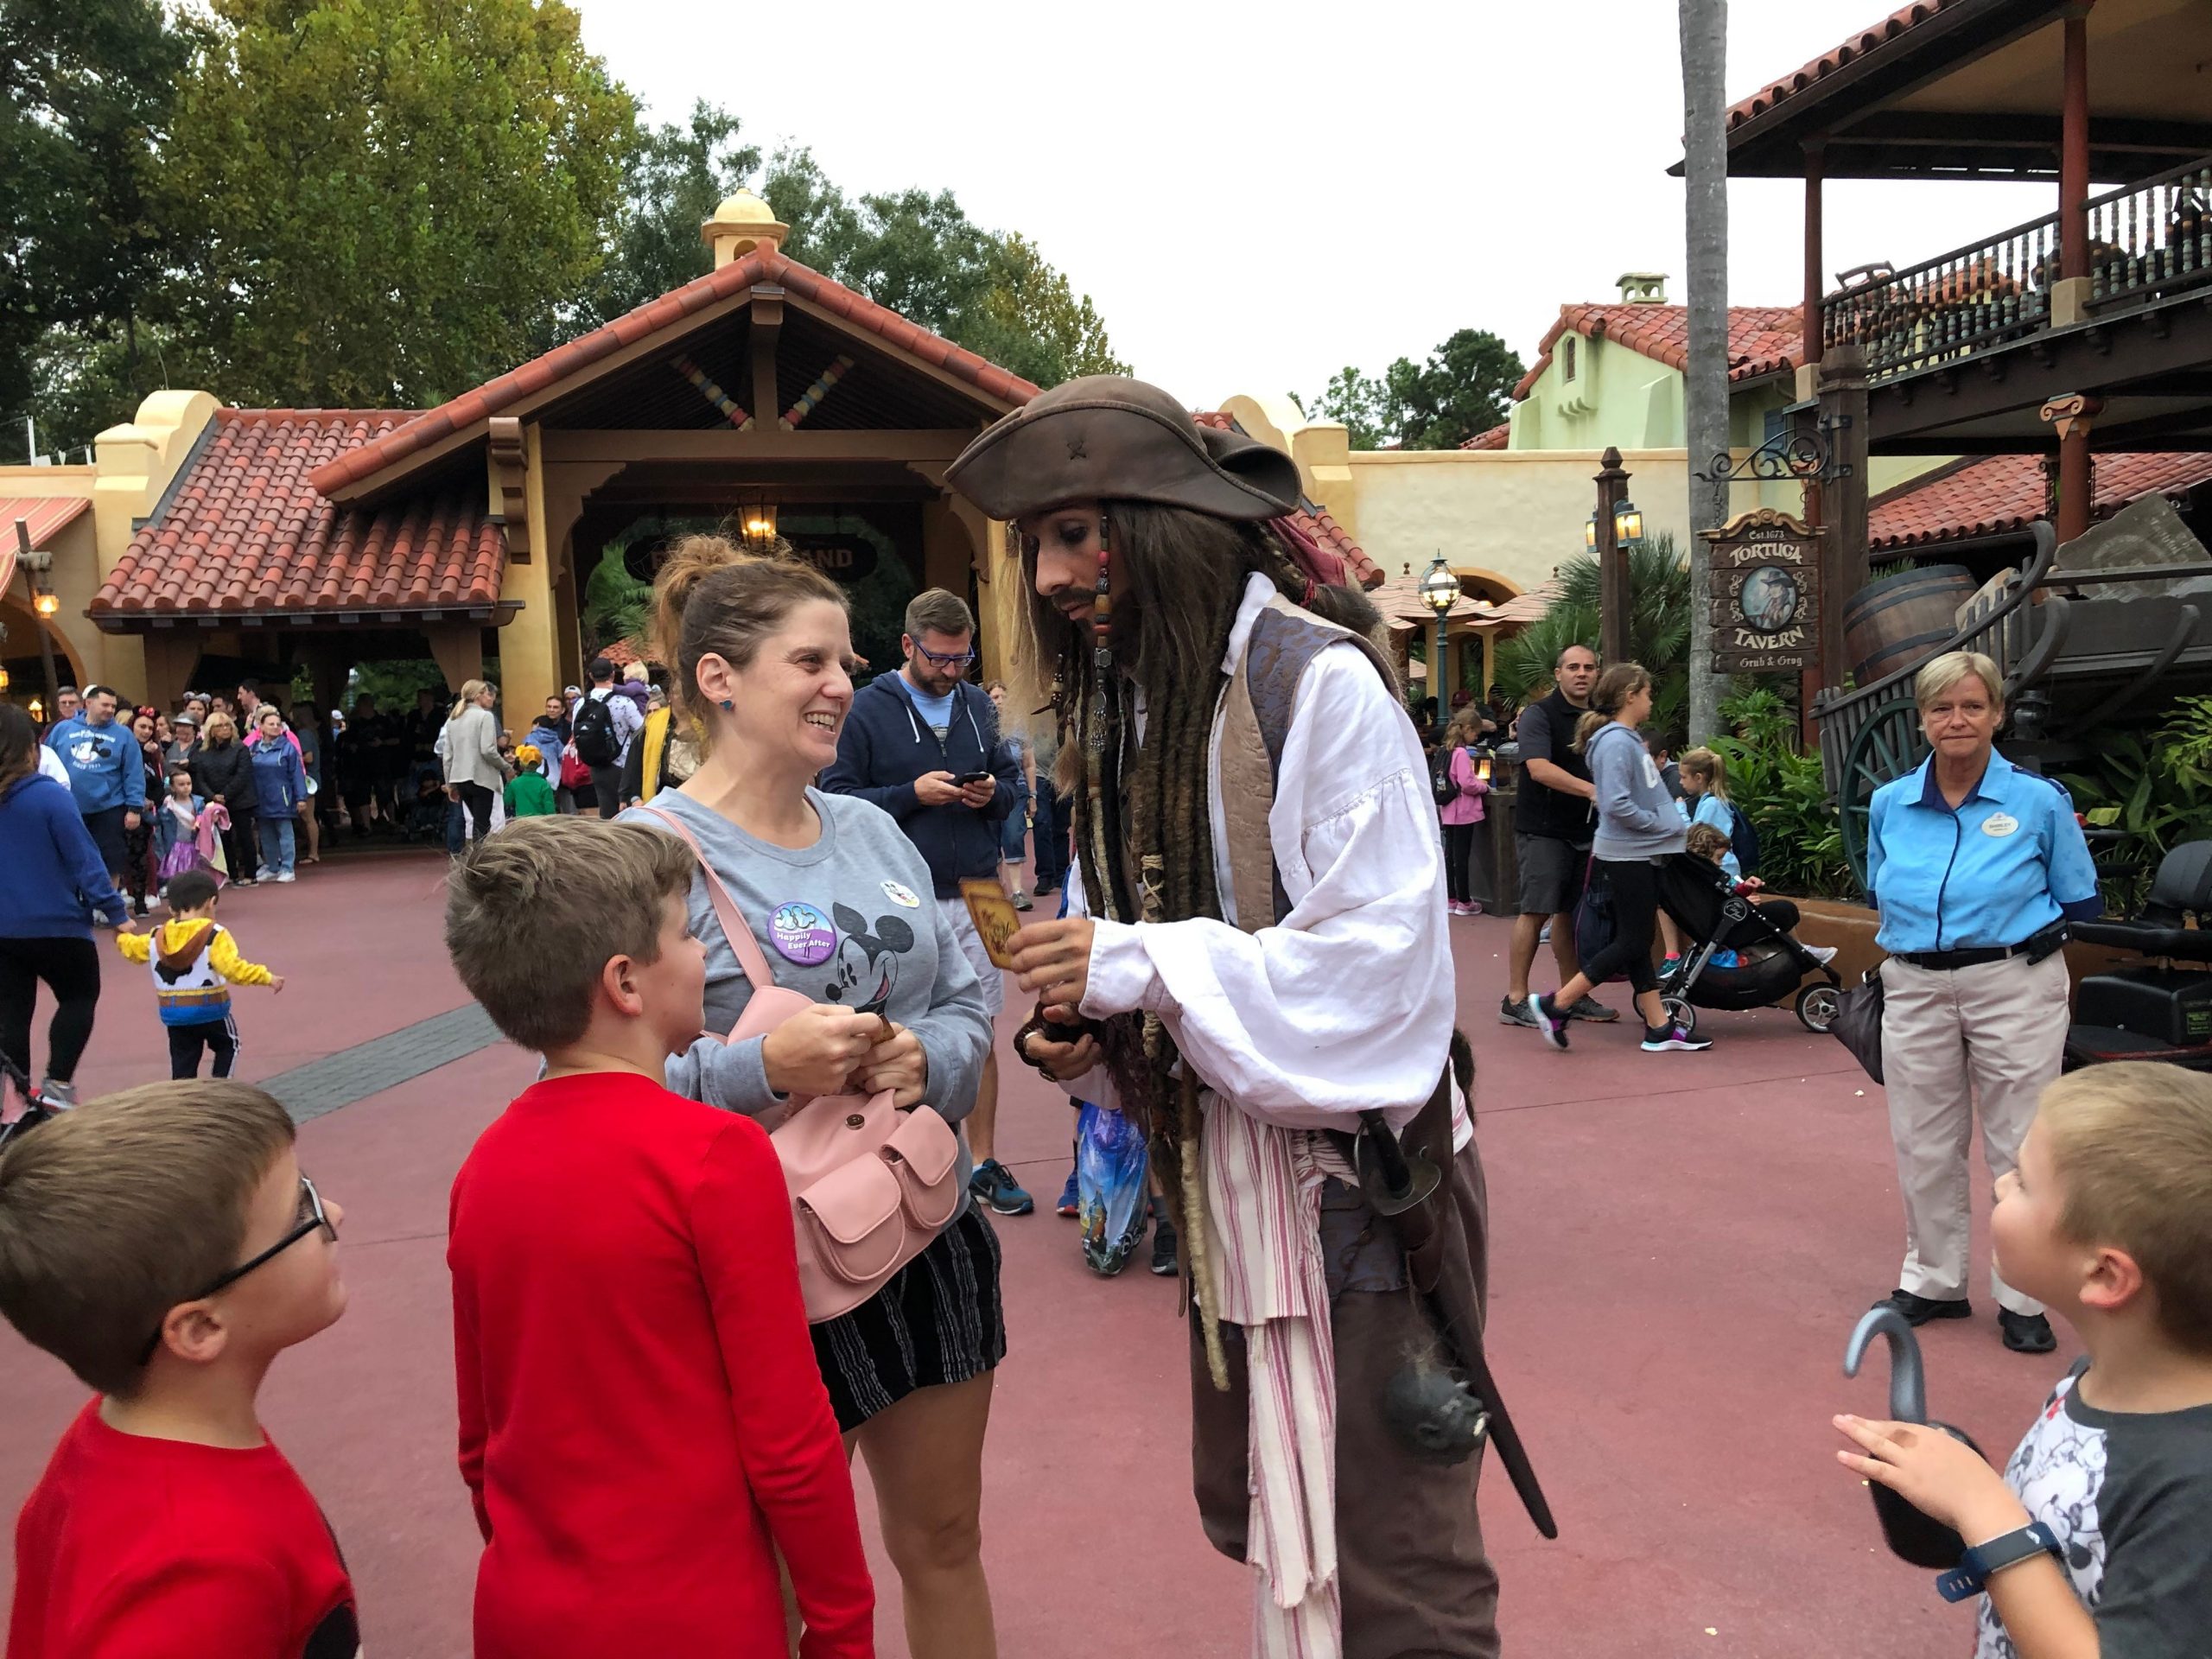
point(964, 778)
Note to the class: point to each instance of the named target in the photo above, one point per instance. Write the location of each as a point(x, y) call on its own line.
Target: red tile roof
point(2000, 495)
point(1898, 22)
point(1493, 439)
point(1312, 518)
point(625, 652)
point(245, 532)
point(1761, 339)
point(762, 265)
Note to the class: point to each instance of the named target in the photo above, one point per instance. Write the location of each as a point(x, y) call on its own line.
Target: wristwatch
point(1983, 1562)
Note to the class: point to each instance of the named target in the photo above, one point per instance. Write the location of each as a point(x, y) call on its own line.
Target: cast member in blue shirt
point(1975, 867)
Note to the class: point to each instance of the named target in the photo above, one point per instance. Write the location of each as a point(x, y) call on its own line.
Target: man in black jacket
point(923, 744)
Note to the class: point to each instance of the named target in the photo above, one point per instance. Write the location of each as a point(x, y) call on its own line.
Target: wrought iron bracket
point(1788, 457)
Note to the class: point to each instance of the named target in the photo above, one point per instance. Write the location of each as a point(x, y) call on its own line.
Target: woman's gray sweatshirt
point(1635, 815)
point(850, 920)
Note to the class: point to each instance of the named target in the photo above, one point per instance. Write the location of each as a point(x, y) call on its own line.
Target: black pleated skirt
point(939, 1320)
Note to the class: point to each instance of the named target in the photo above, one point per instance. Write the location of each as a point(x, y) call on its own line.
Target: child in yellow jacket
point(195, 962)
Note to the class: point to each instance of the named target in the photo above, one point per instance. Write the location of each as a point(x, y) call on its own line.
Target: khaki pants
point(1416, 1581)
point(1989, 1038)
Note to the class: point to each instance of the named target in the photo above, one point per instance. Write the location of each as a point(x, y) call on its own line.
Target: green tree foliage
point(87, 95)
point(1658, 629)
point(616, 604)
point(393, 199)
point(920, 255)
point(1034, 323)
point(1780, 788)
point(676, 175)
point(1463, 389)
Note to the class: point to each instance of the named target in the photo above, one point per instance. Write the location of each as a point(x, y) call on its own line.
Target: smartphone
point(967, 777)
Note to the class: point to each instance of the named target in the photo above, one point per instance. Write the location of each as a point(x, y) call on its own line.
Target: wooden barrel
point(1900, 619)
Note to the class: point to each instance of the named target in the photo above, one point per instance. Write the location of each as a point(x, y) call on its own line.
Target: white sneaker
point(286, 875)
point(1822, 954)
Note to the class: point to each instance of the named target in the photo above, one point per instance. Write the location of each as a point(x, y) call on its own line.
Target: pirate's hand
point(899, 1063)
point(1053, 958)
point(1062, 1062)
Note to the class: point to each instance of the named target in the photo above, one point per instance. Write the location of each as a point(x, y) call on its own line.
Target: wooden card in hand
point(995, 915)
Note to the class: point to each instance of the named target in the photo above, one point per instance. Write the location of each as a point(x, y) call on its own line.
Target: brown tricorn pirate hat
point(1105, 437)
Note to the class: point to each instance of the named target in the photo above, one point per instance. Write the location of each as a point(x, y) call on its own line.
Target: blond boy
point(2092, 1540)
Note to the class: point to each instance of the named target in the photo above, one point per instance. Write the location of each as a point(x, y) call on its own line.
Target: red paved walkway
point(1681, 1243)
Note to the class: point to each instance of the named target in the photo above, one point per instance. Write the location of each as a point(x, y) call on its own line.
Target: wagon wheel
point(1890, 745)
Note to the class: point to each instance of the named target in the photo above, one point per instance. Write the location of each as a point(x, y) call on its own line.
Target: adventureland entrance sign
point(1766, 594)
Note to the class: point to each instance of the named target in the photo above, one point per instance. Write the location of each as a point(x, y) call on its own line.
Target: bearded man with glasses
point(923, 745)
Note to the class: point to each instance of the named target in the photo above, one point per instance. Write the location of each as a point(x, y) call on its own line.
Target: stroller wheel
point(1680, 1011)
point(1817, 1006)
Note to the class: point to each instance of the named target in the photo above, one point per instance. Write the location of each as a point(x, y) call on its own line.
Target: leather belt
point(1944, 961)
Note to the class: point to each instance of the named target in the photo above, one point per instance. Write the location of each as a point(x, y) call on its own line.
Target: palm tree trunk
point(1704, 25)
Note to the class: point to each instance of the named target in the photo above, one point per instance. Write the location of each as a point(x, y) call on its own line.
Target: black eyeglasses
point(946, 659)
point(311, 1219)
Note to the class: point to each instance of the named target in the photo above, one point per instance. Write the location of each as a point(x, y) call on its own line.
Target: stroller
point(1704, 903)
point(35, 1109)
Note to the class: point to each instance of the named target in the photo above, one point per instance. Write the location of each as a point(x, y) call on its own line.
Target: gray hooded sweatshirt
point(1635, 815)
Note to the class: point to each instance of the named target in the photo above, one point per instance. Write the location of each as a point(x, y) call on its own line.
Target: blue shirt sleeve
point(1877, 811)
point(2066, 855)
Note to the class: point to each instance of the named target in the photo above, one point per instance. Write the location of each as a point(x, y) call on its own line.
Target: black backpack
point(1743, 840)
point(593, 734)
point(1440, 776)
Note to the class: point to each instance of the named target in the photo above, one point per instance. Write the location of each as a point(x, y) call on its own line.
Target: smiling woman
point(834, 892)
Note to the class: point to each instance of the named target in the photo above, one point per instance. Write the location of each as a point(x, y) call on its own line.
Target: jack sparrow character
point(1256, 965)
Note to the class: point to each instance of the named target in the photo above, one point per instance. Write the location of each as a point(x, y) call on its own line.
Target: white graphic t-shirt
point(2128, 1496)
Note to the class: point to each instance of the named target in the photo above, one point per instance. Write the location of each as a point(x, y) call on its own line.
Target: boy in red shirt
point(643, 1425)
point(164, 1244)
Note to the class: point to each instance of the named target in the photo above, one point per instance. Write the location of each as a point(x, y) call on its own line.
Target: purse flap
point(857, 1202)
point(925, 1143)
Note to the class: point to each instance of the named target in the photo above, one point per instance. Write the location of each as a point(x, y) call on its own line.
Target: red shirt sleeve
point(787, 1433)
point(468, 1380)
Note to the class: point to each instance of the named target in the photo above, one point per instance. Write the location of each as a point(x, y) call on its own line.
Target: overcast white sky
point(1257, 194)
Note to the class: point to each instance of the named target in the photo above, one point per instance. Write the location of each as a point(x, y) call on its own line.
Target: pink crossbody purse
point(871, 1186)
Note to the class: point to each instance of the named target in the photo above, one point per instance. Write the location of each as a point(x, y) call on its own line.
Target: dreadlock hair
point(1141, 823)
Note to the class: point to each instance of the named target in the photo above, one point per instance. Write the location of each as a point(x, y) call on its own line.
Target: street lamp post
point(44, 604)
point(1439, 591)
point(1615, 528)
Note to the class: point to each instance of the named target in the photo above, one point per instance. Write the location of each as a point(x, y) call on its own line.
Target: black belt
point(1943, 962)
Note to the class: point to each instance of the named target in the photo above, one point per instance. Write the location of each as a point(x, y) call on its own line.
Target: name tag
point(1999, 823)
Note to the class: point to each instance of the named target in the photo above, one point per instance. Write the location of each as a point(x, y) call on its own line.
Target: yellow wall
point(1517, 514)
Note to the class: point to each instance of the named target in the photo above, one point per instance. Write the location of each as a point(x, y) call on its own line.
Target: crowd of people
point(684, 1296)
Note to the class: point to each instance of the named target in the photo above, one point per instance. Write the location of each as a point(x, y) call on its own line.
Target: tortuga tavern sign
point(1766, 594)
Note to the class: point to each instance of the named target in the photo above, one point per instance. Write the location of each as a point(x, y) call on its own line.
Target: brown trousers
point(1416, 1582)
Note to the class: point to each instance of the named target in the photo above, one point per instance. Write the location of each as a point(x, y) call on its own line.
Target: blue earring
point(727, 706)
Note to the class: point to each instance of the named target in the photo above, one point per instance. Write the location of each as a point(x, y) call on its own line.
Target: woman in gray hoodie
point(1638, 830)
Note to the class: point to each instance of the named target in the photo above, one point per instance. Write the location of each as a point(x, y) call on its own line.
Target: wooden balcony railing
point(2146, 241)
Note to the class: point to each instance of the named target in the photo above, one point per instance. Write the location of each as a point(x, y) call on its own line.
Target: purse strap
point(750, 957)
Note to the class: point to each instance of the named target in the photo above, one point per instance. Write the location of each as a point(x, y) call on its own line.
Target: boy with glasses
point(164, 1244)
